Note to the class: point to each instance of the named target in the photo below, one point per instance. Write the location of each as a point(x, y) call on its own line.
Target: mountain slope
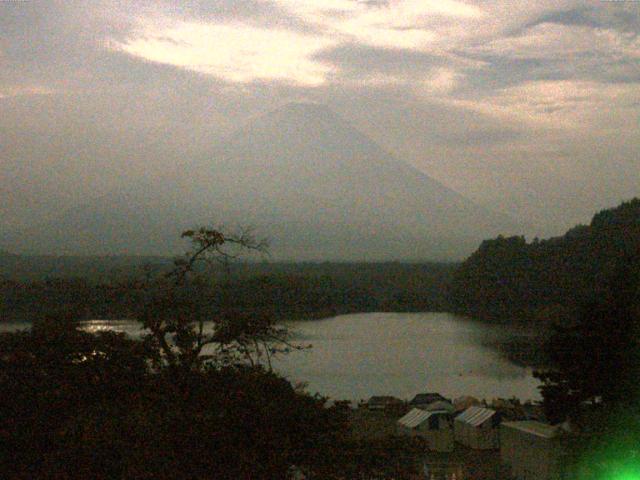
point(305, 178)
point(303, 165)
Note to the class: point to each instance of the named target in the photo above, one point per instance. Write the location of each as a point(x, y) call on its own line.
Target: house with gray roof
point(435, 427)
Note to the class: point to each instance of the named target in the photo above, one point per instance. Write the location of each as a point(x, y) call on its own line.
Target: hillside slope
point(508, 279)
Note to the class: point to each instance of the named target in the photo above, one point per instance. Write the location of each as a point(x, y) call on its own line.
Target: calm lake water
point(359, 355)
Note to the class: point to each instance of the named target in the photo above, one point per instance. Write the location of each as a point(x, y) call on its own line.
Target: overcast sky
point(532, 107)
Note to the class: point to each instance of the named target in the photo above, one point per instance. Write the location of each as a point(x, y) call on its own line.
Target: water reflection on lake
point(401, 354)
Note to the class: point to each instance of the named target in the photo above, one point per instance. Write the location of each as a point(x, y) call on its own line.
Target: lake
point(359, 355)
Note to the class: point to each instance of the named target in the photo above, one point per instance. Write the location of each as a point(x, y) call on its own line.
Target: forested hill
point(508, 279)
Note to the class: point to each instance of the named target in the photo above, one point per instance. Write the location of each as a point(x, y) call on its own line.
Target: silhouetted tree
point(49, 376)
point(188, 323)
point(595, 361)
point(81, 405)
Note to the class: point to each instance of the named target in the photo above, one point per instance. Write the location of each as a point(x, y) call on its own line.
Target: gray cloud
point(533, 129)
point(501, 72)
point(357, 58)
point(584, 43)
point(619, 16)
point(257, 12)
point(581, 16)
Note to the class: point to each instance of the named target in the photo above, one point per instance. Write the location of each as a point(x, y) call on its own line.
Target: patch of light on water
point(118, 326)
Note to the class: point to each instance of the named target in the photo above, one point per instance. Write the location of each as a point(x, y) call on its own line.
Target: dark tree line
point(594, 359)
point(591, 381)
point(291, 292)
point(80, 405)
point(508, 279)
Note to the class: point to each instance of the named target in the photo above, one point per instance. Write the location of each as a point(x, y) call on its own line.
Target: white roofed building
point(477, 428)
point(435, 427)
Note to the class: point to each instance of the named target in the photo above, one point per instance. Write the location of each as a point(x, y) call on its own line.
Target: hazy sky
point(532, 107)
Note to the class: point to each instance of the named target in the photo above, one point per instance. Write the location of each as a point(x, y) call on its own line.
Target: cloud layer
point(531, 108)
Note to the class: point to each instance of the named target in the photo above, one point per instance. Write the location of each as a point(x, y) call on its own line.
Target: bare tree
point(188, 327)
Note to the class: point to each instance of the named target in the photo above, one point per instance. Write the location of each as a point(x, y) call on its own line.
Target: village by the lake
point(467, 438)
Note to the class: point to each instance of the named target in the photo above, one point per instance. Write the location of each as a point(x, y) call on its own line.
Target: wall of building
point(482, 437)
point(530, 457)
point(440, 440)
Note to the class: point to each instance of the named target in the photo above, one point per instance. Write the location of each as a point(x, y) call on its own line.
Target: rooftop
point(475, 415)
point(535, 428)
point(417, 416)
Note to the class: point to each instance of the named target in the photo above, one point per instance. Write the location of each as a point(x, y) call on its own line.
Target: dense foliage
point(594, 360)
point(508, 279)
point(79, 405)
point(591, 380)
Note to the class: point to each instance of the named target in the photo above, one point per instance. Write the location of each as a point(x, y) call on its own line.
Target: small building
point(440, 405)
point(533, 450)
point(382, 402)
point(434, 427)
point(423, 400)
point(477, 428)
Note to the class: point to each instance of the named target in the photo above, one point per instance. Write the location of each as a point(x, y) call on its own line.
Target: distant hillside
point(322, 190)
point(92, 268)
point(508, 279)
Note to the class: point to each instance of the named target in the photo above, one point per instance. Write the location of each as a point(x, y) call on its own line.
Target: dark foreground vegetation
point(77, 405)
point(591, 381)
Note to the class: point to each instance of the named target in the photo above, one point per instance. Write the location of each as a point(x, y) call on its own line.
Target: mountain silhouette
point(325, 190)
point(301, 176)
